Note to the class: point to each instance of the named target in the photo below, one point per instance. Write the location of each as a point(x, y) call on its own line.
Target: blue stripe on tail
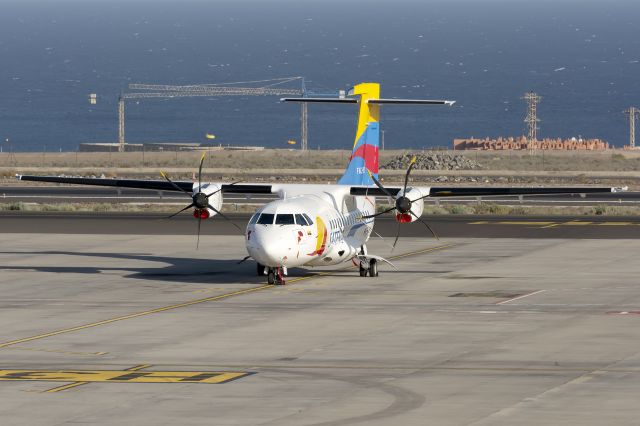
point(363, 157)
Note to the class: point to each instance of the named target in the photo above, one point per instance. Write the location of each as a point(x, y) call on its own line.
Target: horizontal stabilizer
point(321, 100)
point(372, 101)
point(411, 102)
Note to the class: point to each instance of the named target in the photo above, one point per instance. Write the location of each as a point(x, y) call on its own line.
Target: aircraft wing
point(239, 188)
point(496, 191)
point(475, 191)
point(158, 185)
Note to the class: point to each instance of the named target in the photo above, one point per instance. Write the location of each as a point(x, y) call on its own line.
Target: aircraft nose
point(270, 247)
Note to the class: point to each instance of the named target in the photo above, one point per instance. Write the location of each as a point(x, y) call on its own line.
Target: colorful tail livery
point(364, 159)
point(367, 144)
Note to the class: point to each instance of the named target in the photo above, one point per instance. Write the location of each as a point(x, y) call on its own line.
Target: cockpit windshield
point(266, 219)
point(285, 219)
point(306, 216)
point(281, 219)
point(300, 220)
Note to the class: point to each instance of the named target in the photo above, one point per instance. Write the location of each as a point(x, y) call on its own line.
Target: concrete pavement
point(464, 331)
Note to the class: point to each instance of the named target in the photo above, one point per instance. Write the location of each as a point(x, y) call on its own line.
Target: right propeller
point(200, 200)
point(402, 204)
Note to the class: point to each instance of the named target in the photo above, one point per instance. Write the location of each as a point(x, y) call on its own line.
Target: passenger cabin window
point(266, 219)
point(285, 219)
point(300, 220)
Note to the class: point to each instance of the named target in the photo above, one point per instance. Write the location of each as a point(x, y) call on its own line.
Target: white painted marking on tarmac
point(519, 297)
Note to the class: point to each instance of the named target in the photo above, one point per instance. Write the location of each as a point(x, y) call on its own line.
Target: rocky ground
point(432, 161)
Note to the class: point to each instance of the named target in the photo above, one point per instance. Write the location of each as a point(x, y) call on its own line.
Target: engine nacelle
point(417, 206)
point(214, 199)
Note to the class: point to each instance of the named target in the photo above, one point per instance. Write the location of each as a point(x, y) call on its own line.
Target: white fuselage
point(318, 229)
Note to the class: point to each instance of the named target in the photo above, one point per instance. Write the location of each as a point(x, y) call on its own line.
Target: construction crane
point(165, 91)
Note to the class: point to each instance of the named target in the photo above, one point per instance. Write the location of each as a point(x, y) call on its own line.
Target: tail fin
point(363, 162)
point(364, 157)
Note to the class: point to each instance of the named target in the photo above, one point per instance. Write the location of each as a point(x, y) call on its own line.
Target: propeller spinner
point(402, 204)
point(199, 200)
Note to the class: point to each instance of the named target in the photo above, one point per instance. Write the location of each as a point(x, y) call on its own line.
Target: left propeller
point(199, 200)
point(402, 204)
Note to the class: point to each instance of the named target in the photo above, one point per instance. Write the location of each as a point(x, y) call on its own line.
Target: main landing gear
point(371, 269)
point(274, 275)
point(368, 268)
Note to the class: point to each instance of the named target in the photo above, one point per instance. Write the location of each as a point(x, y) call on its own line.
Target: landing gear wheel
point(260, 269)
point(363, 270)
point(373, 268)
point(271, 277)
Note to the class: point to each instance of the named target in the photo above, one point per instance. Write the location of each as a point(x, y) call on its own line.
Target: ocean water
point(582, 57)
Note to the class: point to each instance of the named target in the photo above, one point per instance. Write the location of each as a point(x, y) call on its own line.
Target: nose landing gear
point(276, 276)
point(371, 269)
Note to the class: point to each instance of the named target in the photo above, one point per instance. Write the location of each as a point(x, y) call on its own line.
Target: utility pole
point(121, 142)
point(304, 114)
point(532, 117)
point(632, 112)
point(304, 118)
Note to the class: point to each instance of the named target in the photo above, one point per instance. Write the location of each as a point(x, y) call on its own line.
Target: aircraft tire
point(373, 268)
point(363, 270)
point(271, 277)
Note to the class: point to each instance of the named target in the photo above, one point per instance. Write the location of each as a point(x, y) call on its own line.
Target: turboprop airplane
point(320, 225)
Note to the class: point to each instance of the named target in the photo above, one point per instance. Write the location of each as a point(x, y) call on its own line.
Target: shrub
point(617, 157)
point(457, 209)
point(600, 209)
point(15, 206)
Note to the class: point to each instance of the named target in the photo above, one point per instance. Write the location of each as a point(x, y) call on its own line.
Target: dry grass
point(313, 159)
point(444, 209)
point(499, 167)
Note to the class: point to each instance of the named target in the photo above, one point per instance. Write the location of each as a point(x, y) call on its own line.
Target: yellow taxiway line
point(197, 301)
point(136, 315)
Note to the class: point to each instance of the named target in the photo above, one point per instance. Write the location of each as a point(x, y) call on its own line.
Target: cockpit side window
point(285, 219)
point(266, 219)
point(309, 221)
point(300, 220)
point(254, 219)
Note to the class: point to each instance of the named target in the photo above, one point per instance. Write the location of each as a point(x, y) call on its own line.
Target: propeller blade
point(204, 153)
point(379, 185)
point(231, 184)
point(382, 238)
point(378, 214)
point(164, 175)
point(406, 177)
point(175, 214)
point(397, 236)
point(198, 240)
point(420, 198)
point(425, 224)
point(244, 260)
point(224, 216)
